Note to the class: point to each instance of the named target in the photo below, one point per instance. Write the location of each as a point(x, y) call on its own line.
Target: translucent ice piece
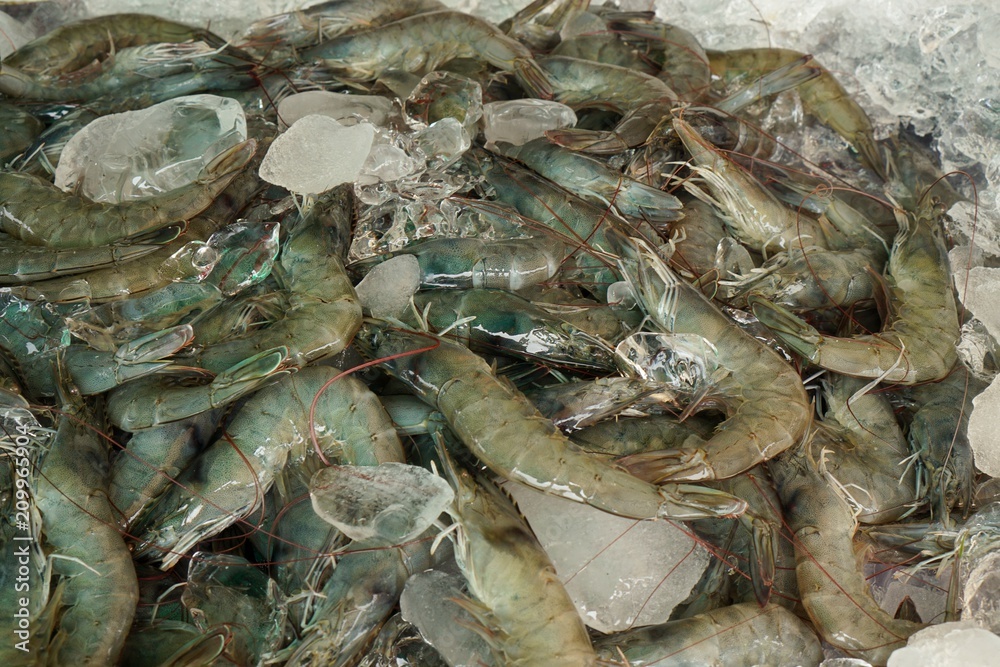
point(343, 108)
point(391, 503)
point(317, 154)
point(428, 601)
point(982, 593)
point(983, 435)
point(519, 121)
point(144, 153)
point(446, 95)
point(443, 141)
point(13, 34)
point(621, 573)
point(386, 290)
point(961, 644)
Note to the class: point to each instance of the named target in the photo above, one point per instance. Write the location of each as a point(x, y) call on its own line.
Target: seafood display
point(701, 292)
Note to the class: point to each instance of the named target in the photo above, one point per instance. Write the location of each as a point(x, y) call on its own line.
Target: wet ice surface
point(13, 34)
point(429, 602)
point(316, 154)
point(386, 290)
point(144, 153)
point(982, 593)
point(621, 573)
point(392, 503)
point(345, 108)
point(983, 433)
point(960, 644)
point(519, 121)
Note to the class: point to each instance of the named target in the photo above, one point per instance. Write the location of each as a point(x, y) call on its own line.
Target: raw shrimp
point(585, 83)
point(323, 310)
point(742, 634)
point(74, 45)
point(25, 262)
point(508, 572)
point(98, 592)
point(831, 582)
point(507, 324)
point(594, 180)
point(270, 431)
point(37, 212)
point(500, 426)
point(766, 405)
point(423, 42)
point(917, 340)
point(822, 97)
point(465, 263)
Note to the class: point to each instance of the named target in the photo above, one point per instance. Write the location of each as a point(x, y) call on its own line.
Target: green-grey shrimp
point(423, 42)
point(917, 340)
point(508, 572)
point(37, 212)
point(585, 83)
point(502, 322)
point(272, 430)
point(766, 405)
point(743, 634)
point(98, 591)
point(823, 97)
point(74, 45)
point(832, 584)
point(500, 426)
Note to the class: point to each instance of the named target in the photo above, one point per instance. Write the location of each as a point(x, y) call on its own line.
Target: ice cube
point(386, 290)
point(983, 434)
point(13, 34)
point(621, 573)
point(342, 107)
point(982, 593)
point(979, 289)
point(961, 644)
point(443, 141)
point(144, 153)
point(442, 95)
point(390, 503)
point(316, 154)
point(428, 601)
point(519, 121)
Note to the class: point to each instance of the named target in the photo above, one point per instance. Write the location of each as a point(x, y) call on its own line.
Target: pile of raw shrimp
point(577, 252)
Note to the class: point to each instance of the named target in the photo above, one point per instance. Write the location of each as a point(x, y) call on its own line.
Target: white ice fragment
point(428, 601)
point(845, 662)
point(342, 107)
point(386, 290)
point(983, 433)
point(979, 289)
point(144, 153)
point(317, 154)
point(982, 593)
point(13, 34)
point(390, 503)
point(961, 644)
point(519, 121)
point(620, 573)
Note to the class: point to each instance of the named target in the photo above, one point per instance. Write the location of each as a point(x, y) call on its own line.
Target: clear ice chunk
point(389, 503)
point(342, 107)
point(139, 154)
point(428, 601)
point(316, 154)
point(983, 434)
point(519, 121)
point(387, 289)
point(979, 289)
point(982, 593)
point(961, 644)
point(621, 573)
point(443, 141)
point(13, 34)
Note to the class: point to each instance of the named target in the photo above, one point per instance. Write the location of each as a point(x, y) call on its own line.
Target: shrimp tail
point(588, 141)
point(685, 501)
point(669, 465)
point(763, 546)
point(533, 78)
point(793, 331)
